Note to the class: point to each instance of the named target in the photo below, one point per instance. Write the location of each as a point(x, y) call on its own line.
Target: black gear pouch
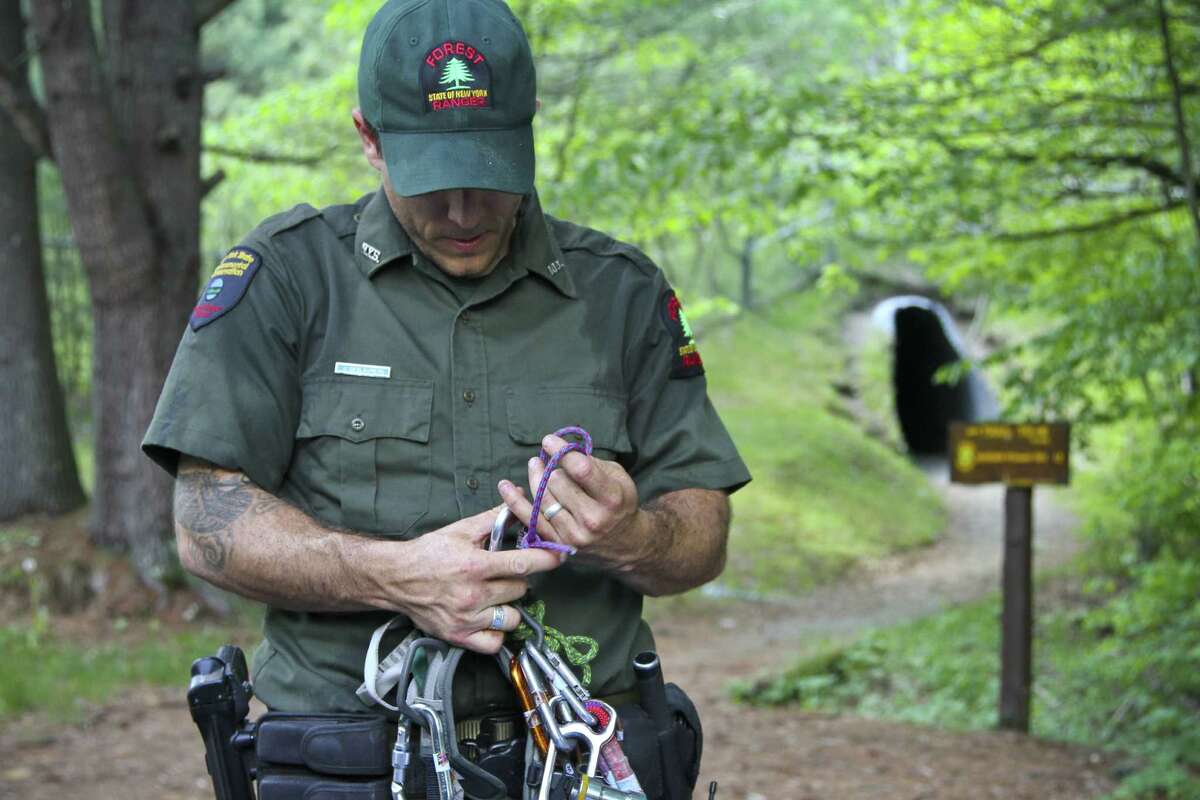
point(327, 744)
point(323, 756)
point(642, 748)
point(307, 786)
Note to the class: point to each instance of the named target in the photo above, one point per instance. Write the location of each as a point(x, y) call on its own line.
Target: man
point(353, 381)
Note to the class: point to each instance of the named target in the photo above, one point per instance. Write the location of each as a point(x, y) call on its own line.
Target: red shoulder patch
point(685, 361)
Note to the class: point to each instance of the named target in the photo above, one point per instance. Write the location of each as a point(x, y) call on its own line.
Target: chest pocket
point(535, 412)
point(369, 440)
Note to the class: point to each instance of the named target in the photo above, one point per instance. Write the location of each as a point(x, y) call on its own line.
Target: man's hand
point(599, 506)
point(244, 539)
point(453, 594)
point(673, 543)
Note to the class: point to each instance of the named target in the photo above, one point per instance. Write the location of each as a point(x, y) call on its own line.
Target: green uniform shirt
point(569, 329)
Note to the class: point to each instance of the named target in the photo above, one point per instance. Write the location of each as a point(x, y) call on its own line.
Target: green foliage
point(60, 675)
point(824, 495)
point(1143, 500)
point(1029, 150)
point(70, 303)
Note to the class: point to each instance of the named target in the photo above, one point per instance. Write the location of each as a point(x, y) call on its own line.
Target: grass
point(63, 649)
point(825, 495)
point(62, 675)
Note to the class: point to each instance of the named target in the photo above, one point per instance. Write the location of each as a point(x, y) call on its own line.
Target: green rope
point(577, 650)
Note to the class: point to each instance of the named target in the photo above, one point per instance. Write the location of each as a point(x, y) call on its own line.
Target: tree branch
point(205, 10)
point(211, 182)
point(1181, 137)
point(1087, 227)
point(267, 157)
point(25, 112)
point(1152, 166)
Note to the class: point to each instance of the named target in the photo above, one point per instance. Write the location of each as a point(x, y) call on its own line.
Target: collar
point(534, 247)
point(379, 239)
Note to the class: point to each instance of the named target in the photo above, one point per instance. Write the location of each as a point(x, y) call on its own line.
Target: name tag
point(361, 370)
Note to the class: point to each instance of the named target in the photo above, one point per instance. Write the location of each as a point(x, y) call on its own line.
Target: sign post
point(1018, 455)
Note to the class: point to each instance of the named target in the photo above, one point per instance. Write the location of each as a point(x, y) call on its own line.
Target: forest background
point(1034, 161)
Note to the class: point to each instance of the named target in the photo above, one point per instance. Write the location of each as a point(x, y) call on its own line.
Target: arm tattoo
point(207, 505)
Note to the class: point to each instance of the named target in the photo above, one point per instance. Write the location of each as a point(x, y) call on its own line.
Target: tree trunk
point(747, 272)
point(35, 445)
point(130, 146)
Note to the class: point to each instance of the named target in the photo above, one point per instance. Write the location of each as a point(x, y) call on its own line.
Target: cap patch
point(685, 360)
point(456, 75)
point(226, 286)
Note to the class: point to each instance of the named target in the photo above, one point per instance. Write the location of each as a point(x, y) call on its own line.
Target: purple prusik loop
point(530, 537)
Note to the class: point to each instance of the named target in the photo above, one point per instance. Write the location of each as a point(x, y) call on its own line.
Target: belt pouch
point(352, 745)
point(306, 786)
point(641, 743)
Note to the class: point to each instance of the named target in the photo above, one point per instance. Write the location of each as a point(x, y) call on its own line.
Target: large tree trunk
point(35, 446)
point(128, 142)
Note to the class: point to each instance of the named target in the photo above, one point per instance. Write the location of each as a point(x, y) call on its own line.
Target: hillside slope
point(825, 494)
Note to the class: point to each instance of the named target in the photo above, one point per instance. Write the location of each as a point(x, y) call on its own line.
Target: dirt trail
point(145, 747)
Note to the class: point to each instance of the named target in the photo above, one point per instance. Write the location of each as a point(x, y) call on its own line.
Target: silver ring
point(497, 618)
point(552, 510)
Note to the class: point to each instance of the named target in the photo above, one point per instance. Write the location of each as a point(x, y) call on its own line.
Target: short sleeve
point(232, 396)
point(679, 440)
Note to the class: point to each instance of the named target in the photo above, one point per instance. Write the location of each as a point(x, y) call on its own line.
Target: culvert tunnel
point(924, 339)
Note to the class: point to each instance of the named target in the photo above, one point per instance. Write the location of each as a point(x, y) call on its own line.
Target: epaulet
point(343, 217)
point(288, 219)
point(578, 237)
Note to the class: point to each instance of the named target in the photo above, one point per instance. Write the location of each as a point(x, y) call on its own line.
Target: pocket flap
point(533, 413)
point(358, 410)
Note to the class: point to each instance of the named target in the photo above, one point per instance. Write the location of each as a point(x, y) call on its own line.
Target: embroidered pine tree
point(456, 72)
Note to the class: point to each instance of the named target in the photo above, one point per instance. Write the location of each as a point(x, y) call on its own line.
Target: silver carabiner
point(542, 700)
point(503, 520)
point(565, 684)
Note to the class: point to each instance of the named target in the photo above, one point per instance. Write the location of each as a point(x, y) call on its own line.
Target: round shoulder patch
point(685, 361)
point(226, 287)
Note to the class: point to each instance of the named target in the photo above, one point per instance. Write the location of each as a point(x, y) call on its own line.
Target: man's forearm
point(239, 537)
point(683, 537)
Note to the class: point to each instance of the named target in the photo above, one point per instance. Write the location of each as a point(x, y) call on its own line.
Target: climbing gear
point(531, 538)
point(554, 701)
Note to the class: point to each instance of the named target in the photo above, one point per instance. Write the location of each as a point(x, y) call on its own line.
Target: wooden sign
point(1018, 454)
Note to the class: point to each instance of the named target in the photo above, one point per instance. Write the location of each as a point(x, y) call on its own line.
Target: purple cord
point(530, 537)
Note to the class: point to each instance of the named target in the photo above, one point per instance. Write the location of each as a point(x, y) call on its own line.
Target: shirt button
point(469, 395)
point(472, 484)
point(357, 424)
point(465, 316)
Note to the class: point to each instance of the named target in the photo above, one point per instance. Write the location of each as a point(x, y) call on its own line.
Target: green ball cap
point(450, 87)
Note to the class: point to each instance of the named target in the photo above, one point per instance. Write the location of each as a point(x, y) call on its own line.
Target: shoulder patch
point(226, 287)
point(685, 360)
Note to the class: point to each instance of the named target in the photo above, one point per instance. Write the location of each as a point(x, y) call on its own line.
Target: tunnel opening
point(924, 339)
